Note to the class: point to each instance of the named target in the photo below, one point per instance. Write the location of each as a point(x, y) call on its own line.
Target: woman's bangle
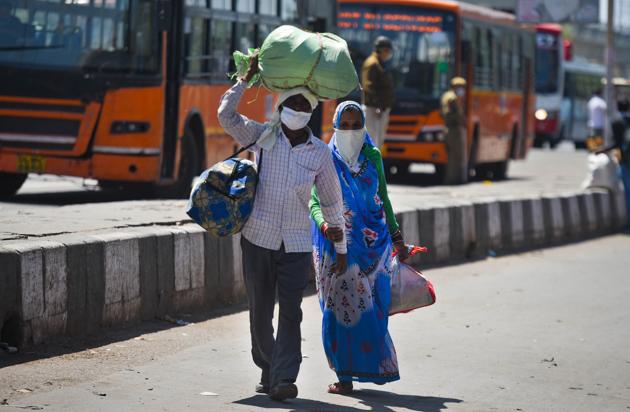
point(397, 236)
point(324, 227)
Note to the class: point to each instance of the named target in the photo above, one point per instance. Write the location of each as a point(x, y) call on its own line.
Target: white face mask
point(349, 144)
point(294, 120)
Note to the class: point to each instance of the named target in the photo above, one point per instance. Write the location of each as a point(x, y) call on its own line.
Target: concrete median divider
point(77, 284)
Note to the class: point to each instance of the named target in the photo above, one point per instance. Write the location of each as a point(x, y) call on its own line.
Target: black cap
point(382, 42)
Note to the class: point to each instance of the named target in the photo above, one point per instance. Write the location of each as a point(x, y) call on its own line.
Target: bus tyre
point(188, 169)
point(440, 173)
point(499, 170)
point(10, 183)
point(394, 169)
point(483, 172)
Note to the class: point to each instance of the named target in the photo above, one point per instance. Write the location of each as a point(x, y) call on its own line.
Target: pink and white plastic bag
point(410, 289)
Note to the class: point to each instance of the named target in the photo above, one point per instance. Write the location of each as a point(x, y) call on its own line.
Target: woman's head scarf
point(341, 108)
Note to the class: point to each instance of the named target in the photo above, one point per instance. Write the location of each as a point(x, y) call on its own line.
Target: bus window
point(424, 57)
point(506, 61)
point(489, 63)
point(95, 35)
point(246, 6)
point(484, 67)
point(195, 59)
point(245, 36)
point(220, 50)
point(263, 32)
point(516, 62)
point(222, 4)
point(547, 63)
point(289, 10)
point(268, 7)
point(87, 37)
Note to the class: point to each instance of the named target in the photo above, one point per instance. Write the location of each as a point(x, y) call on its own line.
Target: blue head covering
point(341, 108)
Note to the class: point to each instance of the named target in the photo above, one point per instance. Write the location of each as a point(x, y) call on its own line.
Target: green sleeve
point(316, 210)
point(374, 155)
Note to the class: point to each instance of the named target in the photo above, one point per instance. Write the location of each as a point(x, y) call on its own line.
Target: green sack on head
point(290, 57)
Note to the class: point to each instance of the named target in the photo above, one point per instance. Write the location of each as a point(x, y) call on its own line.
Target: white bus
point(581, 79)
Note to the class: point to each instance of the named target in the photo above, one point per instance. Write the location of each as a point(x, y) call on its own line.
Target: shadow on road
point(377, 401)
point(59, 346)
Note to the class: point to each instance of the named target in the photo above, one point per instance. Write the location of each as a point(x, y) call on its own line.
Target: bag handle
point(239, 151)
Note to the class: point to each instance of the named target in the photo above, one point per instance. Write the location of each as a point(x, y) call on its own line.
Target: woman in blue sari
point(355, 304)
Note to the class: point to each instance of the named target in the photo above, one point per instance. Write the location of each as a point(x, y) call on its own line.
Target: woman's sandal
point(340, 388)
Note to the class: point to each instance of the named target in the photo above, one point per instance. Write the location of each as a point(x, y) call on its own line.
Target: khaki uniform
point(453, 114)
point(378, 95)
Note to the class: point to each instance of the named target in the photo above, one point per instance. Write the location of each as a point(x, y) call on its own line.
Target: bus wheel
point(396, 170)
point(188, 169)
point(483, 172)
point(499, 170)
point(440, 173)
point(10, 183)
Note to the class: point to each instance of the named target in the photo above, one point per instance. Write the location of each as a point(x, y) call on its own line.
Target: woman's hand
point(340, 265)
point(402, 251)
point(334, 234)
point(253, 69)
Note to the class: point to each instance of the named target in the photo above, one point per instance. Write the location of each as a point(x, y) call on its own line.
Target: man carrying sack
point(276, 240)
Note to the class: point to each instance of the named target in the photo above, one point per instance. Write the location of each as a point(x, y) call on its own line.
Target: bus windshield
point(547, 63)
point(423, 39)
point(88, 35)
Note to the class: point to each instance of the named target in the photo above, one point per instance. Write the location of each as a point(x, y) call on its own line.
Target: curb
point(73, 285)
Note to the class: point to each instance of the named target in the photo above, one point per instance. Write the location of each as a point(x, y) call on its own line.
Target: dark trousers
point(265, 271)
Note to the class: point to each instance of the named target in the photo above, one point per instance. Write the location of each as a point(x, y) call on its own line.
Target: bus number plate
point(31, 164)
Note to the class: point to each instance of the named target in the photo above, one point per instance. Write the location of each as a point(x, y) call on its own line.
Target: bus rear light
point(548, 126)
point(126, 127)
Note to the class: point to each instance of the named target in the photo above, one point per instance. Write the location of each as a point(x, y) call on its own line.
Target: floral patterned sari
point(355, 304)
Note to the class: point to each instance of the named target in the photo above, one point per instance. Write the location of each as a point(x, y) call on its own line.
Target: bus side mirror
point(466, 52)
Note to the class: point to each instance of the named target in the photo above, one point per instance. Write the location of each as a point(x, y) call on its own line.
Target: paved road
point(50, 205)
point(540, 331)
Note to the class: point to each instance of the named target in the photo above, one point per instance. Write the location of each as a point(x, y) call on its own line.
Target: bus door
point(171, 14)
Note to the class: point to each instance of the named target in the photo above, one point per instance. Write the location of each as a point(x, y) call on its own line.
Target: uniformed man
point(378, 90)
point(452, 103)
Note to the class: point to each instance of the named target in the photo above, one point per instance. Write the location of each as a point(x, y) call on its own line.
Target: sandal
point(340, 388)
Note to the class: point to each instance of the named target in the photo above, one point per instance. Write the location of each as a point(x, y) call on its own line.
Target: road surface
point(540, 331)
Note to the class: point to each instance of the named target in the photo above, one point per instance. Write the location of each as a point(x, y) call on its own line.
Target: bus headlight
point(541, 114)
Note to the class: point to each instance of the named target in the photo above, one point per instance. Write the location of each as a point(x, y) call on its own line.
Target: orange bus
point(435, 41)
point(126, 91)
